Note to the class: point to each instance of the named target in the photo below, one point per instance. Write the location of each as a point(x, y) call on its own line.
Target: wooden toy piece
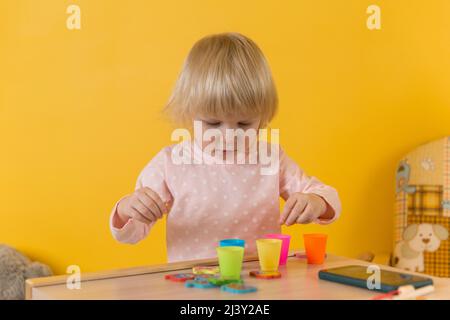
point(205, 270)
point(220, 282)
point(265, 275)
point(199, 283)
point(204, 276)
point(179, 277)
point(238, 288)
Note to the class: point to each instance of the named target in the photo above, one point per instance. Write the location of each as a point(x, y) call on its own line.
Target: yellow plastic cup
point(269, 254)
point(230, 262)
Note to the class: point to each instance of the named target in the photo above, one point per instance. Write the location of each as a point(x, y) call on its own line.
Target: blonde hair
point(224, 74)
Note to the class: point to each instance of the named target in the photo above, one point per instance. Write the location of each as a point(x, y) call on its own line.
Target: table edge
point(30, 284)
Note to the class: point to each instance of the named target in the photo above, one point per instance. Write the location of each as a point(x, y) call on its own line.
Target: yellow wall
point(80, 110)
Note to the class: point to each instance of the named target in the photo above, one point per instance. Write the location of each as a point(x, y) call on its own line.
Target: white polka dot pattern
point(210, 202)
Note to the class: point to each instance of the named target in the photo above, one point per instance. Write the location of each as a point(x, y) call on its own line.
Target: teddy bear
point(15, 268)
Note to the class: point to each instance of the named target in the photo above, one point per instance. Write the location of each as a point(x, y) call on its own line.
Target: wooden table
point(299, 281)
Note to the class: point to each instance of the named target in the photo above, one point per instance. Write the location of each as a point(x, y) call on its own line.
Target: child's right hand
point(143, 205)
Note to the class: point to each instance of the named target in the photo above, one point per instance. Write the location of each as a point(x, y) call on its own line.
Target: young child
point(225, 84)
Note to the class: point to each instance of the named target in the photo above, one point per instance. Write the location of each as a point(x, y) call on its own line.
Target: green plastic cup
point(230, 262)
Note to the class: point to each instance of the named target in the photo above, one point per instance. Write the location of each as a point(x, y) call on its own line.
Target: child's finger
point(150, 204)
point(139, 217)
point(290, 203)
point(156, 198)
point(156, 209)
point(293, 215)
point(296, 212)
point(143, 210)
point(307, 215)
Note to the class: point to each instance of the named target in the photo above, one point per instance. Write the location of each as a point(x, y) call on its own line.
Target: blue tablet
point(355, 275)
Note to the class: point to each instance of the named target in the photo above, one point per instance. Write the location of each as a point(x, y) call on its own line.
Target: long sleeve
point(293, 179)
point(154, 177)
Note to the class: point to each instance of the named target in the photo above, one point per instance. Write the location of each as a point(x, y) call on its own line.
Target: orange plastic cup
point(315, 247)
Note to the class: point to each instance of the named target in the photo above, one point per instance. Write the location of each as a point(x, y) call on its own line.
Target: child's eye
point(244, 124)
point(213, 124)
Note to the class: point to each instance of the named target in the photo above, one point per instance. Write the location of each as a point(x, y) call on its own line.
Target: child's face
point(244, 123)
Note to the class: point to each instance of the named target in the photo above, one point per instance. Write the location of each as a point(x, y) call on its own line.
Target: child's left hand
point(303, 208)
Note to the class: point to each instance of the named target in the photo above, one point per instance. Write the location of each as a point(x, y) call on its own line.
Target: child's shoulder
point(283, 158)
point(159, 162)
point(271, 147)
point(165, 154)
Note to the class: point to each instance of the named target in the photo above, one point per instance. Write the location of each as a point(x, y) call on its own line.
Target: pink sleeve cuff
point(131, 232)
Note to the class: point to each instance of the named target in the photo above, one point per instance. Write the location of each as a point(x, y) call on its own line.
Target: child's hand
point(303, 208)
point(143, 205)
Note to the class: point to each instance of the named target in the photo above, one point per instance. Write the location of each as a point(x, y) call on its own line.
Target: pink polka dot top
point(210, 201)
